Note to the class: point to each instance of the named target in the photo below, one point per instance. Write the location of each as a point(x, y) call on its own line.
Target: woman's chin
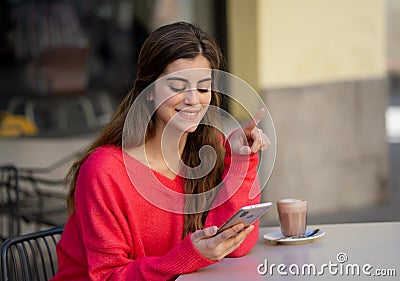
point(191, 129)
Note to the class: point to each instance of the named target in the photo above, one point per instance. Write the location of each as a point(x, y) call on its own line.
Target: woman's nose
point(191, 97)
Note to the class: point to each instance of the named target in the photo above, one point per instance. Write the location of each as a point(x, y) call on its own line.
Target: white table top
point(364, 244)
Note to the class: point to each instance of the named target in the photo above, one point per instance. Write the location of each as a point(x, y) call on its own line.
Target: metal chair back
point(30, 257)
point(28, 198)
point(10, 219)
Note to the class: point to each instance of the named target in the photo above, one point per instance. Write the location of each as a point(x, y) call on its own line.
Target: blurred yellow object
point(16, 125)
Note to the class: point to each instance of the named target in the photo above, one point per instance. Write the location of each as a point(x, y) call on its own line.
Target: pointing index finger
point(256, 119)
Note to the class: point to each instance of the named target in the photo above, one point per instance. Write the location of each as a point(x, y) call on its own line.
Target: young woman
point(122, 226)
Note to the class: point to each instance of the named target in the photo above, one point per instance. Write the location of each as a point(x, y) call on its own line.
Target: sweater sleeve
point(240, 182)
point(108, 238)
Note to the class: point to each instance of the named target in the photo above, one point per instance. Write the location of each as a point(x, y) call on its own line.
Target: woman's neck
point(164, 150)
point(161, 153)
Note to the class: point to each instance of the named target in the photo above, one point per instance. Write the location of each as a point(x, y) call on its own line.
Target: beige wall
point(243, 47)
point(277, 43)
point(243, 39)
point(320, 67)
point(285, 43)
point(312, 41)
point(393, 36)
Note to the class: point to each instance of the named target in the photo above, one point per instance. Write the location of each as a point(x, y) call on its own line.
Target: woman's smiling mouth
point(188, 114)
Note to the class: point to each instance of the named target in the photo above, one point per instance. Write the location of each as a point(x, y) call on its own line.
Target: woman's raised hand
point(249, 139)
point(218, 246)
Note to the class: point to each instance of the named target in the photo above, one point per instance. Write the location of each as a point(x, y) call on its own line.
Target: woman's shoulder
point(105, 156)
point(111, 157)
point(106, 151)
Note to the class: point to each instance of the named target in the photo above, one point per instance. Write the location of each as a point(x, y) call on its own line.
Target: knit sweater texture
point(116, 233)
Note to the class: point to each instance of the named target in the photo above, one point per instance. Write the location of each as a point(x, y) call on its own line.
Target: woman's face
point(182, 94)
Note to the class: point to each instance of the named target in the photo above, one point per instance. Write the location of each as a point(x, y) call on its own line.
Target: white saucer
point(272, 237)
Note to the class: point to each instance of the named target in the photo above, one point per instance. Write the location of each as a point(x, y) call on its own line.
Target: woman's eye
point(205, 90)
point(176, 90)
point(204, 86)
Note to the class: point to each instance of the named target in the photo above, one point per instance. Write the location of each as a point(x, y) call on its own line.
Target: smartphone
point(246, 215)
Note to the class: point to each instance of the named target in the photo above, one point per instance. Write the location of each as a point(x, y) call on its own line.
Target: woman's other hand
point(249, 139)
point(218, 246)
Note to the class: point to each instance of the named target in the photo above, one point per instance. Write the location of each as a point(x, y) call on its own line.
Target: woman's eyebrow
point(205, 80)
point(177, 78)
point(185, 80)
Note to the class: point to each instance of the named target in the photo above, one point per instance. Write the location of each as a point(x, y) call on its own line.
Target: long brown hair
point(163, 46)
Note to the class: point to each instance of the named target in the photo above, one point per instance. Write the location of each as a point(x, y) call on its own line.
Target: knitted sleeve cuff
point(183, 258)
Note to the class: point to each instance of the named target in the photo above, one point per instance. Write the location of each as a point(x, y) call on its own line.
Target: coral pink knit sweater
point(116, 234)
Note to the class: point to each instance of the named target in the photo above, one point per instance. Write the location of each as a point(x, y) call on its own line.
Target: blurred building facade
point(111, 33)
point(321, 69)
point(393, 37)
